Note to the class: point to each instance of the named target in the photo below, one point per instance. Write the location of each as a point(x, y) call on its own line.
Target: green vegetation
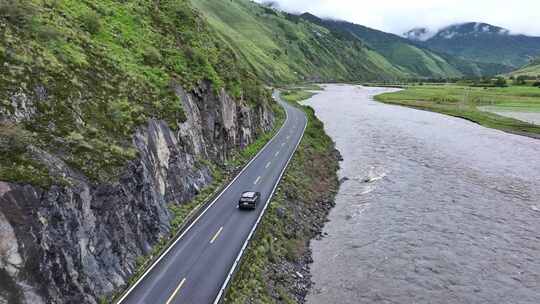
point(286, 48)
point(84, 74)
point(300, 205)
point(310, 87)
point(296, 95)
point(14, 141)
point(464, 101)
point(532, 70)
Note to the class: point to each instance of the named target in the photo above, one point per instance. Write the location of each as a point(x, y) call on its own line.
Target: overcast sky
point(398, 16)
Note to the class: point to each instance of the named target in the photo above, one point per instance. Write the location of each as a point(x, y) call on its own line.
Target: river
point(436, 209)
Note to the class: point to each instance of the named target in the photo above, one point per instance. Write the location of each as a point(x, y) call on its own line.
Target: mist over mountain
point(418, 34)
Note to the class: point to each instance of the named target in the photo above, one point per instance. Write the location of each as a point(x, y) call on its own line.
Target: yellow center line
point(216, 235)
point(257, 180)
point(267, 165)
point(176, 291)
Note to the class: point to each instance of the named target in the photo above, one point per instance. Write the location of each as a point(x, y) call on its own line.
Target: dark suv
point(249, 200)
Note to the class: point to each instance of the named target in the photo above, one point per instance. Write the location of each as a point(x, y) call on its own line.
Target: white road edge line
point(229, 276)
point(204, 211)
point(257, 180)
point(216, 235)
point(176, 291)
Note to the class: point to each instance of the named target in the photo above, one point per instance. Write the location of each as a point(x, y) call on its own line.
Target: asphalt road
point(199, 264)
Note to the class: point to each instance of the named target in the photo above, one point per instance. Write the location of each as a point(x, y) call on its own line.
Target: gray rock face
point(76, 243)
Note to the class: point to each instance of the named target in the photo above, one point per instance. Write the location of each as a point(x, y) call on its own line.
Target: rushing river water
point(436, 209)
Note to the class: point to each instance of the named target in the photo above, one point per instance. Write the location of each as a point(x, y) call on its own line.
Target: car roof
point(249, 194)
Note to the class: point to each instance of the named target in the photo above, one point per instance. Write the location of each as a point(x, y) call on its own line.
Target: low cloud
point(519, 16)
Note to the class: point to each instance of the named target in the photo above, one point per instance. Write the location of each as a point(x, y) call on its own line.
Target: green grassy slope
point(106, 67)
point(531, 69)
point(411, 59)
point(282, 47)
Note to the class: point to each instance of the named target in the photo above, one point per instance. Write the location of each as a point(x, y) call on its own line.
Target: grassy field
point(296, 95)
point(465, 102)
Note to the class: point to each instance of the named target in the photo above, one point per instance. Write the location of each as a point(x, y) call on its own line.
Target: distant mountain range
point(411, 58)
point(479, 42)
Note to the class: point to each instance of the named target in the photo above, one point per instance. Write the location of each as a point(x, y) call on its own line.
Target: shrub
point(47, 33)
point(293, 249)
point(13, 138)
point(500, 82)
point(91, 22)
point(152, 56)
point(520, 80)
point(17, 12)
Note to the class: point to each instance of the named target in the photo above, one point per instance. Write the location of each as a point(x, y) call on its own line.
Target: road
point(197, 267)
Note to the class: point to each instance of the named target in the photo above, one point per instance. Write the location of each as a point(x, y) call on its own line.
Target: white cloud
point(398, 16)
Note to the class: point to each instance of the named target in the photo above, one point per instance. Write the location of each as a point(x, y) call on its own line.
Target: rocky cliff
point(79, 239)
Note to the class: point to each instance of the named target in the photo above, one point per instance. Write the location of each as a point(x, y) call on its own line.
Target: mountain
point(414, 60)
point(480, 42)
point(285, 47)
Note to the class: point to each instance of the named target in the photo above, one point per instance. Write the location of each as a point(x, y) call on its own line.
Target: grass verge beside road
point(465, 102)
point(275, 266)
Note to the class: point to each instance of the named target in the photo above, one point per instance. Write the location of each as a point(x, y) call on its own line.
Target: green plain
point(465, 102)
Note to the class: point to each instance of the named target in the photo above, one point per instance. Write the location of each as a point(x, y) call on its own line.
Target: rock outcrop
point(79, 240)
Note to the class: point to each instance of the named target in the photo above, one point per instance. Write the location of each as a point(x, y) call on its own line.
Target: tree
point(500, 82)
point(520, 80)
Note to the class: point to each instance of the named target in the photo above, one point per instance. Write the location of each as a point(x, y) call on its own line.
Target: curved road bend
point(196, 267)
